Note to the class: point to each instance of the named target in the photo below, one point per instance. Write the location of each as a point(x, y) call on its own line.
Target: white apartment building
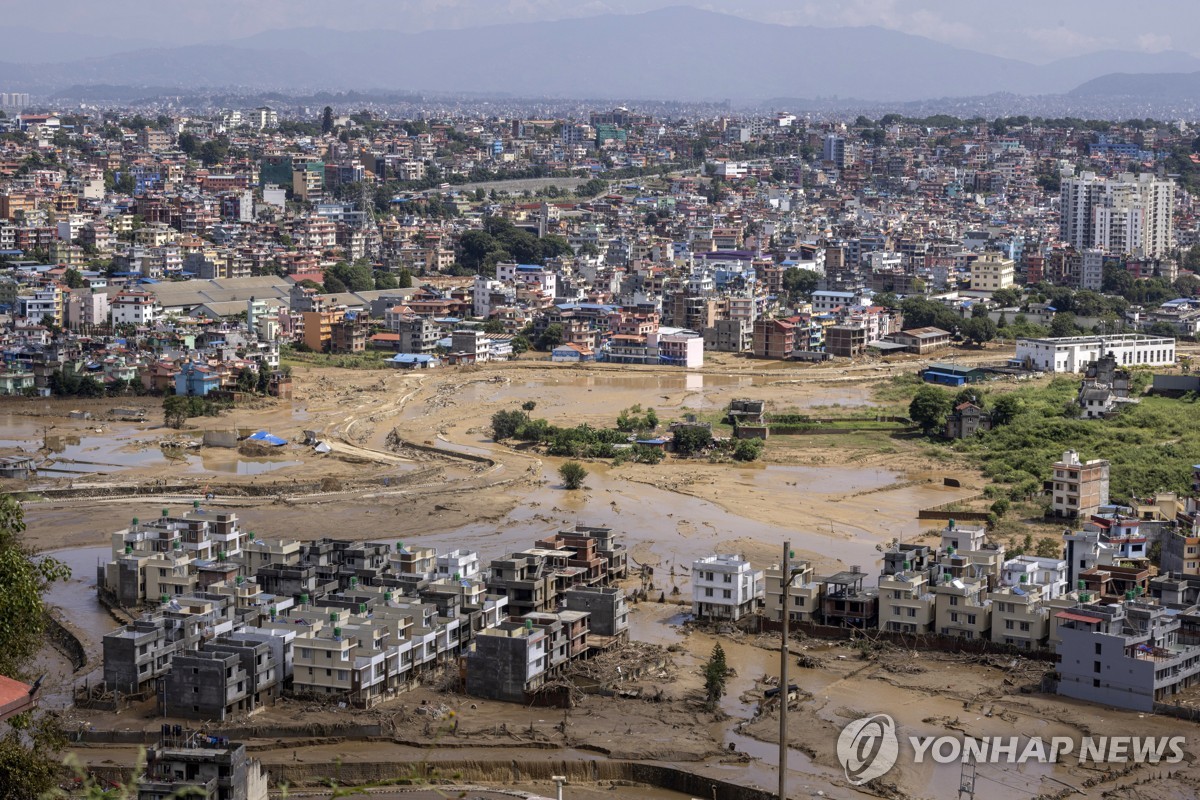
point(135, 308)
point(725, 587)
point(1074, 353)
point(1025, 572)
point(678, 348)
point(41, 303)
point(1129, 214)
point(461, 563)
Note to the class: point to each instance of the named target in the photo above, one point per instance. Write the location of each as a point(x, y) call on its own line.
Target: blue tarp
point(266, 438)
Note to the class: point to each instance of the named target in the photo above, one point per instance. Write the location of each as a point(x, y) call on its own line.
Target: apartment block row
point(234, 620)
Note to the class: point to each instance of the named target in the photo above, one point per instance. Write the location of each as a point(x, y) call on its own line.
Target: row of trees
point(931, 406)
point(500, 240)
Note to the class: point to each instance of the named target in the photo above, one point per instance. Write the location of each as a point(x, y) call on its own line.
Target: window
point(953, 600)
point(970, 619)
point(728, 578)
point(708, 592)
point(728, 593)
point(1098, 648)
point(912, 612)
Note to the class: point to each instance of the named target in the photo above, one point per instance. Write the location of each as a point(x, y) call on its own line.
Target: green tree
point(800, 283)
point(716, 672)
point(385, 280)
point(978, 329)
point(929, 408)
point(493, 326)
point(506, 424)
point(73, 278)
point(692, 439)
point(29, 746)
point(1007, 298)
point(550, 338)
point(188, 143)
point(572, 474)
point(404, 280)
point(175, 410)
point(327, 120)
point(1063, 324)
point(333, 284)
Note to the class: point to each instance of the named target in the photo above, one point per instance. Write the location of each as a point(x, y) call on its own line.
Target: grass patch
point(1151, 446)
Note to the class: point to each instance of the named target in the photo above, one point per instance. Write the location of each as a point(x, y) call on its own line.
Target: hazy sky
point(1032, 30)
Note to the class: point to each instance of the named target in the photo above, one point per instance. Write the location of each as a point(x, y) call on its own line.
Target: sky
point(1030, 30)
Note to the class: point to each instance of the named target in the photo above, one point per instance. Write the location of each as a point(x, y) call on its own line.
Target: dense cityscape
point(423, 444)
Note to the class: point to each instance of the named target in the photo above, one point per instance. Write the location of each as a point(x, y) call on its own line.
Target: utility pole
point(785, 580)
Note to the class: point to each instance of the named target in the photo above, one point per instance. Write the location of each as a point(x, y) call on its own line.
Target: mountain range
point(678, 53)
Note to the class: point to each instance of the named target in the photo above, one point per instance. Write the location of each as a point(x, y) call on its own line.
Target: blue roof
point(412, 358)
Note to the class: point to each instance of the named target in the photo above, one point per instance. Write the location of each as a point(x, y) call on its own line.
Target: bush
point(748, 449)
point(572, 474)
point(1000, 507)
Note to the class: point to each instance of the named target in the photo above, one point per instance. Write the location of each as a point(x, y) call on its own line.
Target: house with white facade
point(725, 587)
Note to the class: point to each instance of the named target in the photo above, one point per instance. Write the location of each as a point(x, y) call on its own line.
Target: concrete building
point(1074, 353)
point(1128, 655)
point(1020, 616)
point(991, 273)
point(1078, 488)
point(606, 607)
point(135, 308)
point(186, 760)
point(961, 607)
point(906, 602)
point(803, 593)
point(1027, 571)
point(846, 341)
point(1124, 215)
point(508, 662)
point(725, 587)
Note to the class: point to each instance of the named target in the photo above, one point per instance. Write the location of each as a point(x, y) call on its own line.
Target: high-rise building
point(1129, 214)
point(834, 150)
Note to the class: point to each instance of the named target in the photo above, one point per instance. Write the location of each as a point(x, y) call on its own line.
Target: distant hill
point(1179, 86)
point(674, 53)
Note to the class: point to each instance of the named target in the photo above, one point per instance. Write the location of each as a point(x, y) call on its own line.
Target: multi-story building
point(186, 761)
point(725, 587)
point(1079, 489)
point(135, 308)
point(803, 593)
point(991, 273)
point(906, 602)
point(1075, 353)
point(1125, 215)
point(1128, 654)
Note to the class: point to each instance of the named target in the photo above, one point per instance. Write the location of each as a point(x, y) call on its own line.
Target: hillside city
point(460, 448)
